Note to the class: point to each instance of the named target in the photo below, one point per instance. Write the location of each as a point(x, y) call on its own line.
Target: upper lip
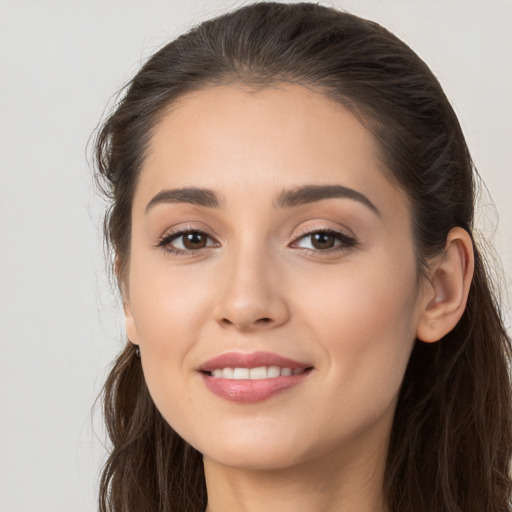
point(250, 360)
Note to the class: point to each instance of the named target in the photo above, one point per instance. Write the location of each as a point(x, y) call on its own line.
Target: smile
point(261, 372)
point(254, 377)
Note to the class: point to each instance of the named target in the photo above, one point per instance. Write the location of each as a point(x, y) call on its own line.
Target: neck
point(336, 483)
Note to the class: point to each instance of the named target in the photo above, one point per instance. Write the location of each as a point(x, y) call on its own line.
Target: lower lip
point(251, 391)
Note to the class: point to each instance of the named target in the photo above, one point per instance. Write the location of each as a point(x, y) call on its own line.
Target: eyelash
point(347, 241)
point(165, 241)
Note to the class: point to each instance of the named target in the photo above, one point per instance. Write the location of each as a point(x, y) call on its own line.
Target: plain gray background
point(60, 324)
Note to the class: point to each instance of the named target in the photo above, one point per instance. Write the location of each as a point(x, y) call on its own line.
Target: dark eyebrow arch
point(192, 195)
point(312, 193)
point(286, 199)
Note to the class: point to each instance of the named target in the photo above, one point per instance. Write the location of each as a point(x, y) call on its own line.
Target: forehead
point(244, 141)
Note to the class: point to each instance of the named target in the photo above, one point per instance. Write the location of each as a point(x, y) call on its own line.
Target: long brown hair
point(451, 442)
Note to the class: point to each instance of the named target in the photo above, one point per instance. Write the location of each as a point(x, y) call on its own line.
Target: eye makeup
point(189, 236)
point(322, 241)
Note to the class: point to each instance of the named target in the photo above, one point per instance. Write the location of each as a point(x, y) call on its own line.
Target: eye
point(186, 241)
point(325, 240)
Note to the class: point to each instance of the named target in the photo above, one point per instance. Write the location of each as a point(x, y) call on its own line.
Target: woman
point(310, 323)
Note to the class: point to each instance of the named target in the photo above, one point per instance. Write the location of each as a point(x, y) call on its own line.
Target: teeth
point(258, 373)
point(241, 373)
point(273, 371)
point(227, 373)
point(261, 372)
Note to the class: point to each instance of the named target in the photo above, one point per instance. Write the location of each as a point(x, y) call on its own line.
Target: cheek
point(167, 307)
point(166, 321)
point(168, 310)
point(366, 323)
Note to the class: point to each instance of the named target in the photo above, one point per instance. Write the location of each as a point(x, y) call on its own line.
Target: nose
point(252, 297)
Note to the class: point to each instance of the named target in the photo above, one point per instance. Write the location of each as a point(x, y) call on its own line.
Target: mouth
point(250, 378)
point(258, 373)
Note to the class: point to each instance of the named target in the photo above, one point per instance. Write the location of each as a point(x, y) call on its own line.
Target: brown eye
point(322, 240)
point(194, 240)
point(326, 241)
point(186, 241)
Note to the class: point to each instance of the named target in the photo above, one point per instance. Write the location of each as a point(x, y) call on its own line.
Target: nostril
point(246, 323)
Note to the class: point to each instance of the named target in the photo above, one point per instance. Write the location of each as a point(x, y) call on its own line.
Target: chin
point(254, 458)
point(251, 449)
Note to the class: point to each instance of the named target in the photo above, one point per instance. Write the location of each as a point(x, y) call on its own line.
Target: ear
point(122, 280)
point(129, 322)
point(447, 288)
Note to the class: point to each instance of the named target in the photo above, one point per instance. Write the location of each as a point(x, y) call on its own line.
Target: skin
point(259, 283)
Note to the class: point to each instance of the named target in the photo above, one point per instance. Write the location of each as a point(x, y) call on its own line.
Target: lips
point(249, 378)
point(251, 360)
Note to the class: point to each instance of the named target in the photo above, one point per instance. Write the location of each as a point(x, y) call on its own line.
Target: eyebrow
point(312, 193)
point(286, 199)
point(191, 195)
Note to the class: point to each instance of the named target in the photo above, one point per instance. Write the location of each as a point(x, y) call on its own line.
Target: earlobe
point(447, 290)
point(131, 331)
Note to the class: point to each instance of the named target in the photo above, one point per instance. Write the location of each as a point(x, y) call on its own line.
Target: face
point(266, 240)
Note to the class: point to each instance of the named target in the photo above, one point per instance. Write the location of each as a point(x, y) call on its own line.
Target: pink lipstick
point(254, 377)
